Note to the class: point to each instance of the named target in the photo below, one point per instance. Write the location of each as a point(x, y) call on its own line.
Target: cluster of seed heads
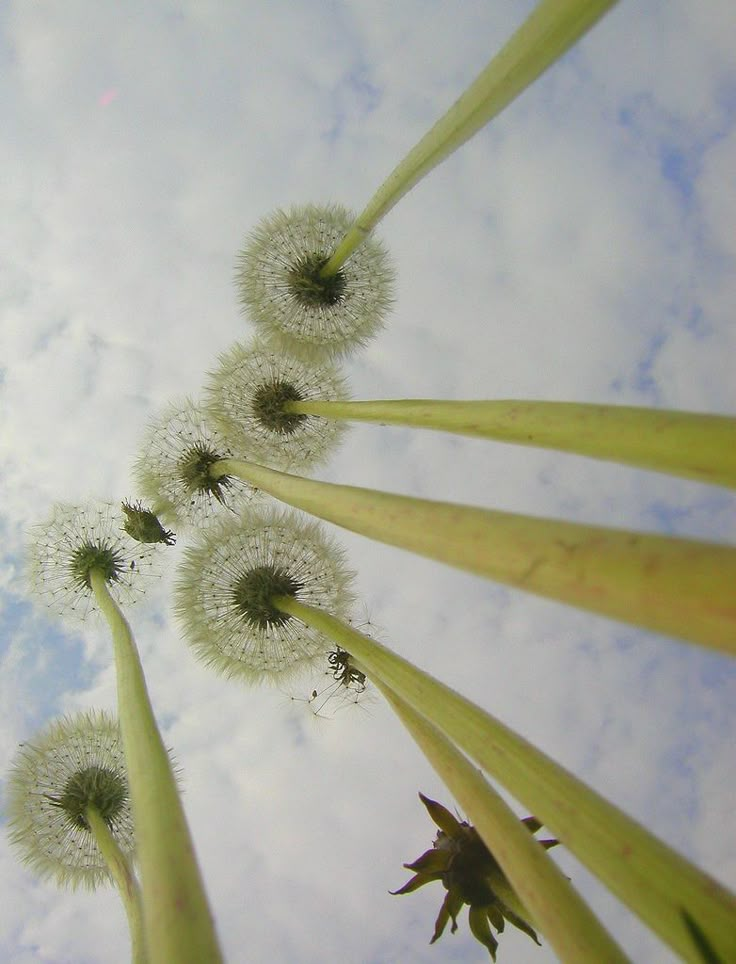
point(231, 580)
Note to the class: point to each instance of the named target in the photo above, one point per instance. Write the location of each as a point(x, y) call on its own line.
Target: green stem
point(177, 918)
point(695, 446)
point(680, 587)
point(536, 889)
point(125, 881)
point(659, 885)
point(551, 29)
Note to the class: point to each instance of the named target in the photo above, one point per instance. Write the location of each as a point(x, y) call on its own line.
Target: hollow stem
point(539, 892)
point(680, 587)
point(550, 30)
point(178, 923)
point(657, 884)
point(688, 444)
point(125, 881)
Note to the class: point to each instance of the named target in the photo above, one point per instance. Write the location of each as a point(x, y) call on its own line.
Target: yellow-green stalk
point(550, 30)
point(680, 587)
point(125, 881)
point(547, 899)
point(688, 444)
point(662, 888)
point(177, 919)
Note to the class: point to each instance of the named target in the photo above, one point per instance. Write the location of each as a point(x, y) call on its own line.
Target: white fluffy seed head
point(77, 539)
point(171, 470)
point(242, 398)
point(279, 289)
point(43, 796)
point(223, 631)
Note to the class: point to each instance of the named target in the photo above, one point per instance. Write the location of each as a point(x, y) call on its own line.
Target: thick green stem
point(125, 881)
point(695, 446)
point(539, 892)
point(177, 918)
point(680, 587)
point(551, 29)
point(659, 885)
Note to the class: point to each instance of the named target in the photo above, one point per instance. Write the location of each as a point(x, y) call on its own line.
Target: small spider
point(344, 672)
point(348, 684)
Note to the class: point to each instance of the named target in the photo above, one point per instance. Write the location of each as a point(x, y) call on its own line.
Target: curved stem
point(539, 892)
point(680, 587)
point(125, 881)
point(178, 922)
point(551, 29)
point(656, 883)
point(688, 444)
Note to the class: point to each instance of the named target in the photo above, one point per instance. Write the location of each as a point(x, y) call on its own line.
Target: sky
point(580, 248)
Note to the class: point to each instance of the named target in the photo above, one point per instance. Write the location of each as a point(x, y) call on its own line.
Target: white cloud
point(580, 248)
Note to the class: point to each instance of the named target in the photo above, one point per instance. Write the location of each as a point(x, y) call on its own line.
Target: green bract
point(470, 875)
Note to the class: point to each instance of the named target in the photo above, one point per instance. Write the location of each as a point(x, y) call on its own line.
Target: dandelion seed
point(347, 686)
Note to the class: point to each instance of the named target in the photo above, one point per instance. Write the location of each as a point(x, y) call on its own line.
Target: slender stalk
point(660, 886)
point(680, 587)
point(539, 890)
point(125, 881)
point(551, 29)
point(695, 446)
point(177, 918)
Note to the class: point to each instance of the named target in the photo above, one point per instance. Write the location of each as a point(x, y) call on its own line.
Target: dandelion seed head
point(226, 586)
point(172, 470)
point(245, 396)
point(74, 763)
point(280, 286)
point(76, 540)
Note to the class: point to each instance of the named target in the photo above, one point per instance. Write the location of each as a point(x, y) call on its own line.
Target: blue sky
point(579, 248)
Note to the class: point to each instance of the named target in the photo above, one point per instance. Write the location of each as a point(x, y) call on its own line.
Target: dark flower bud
point(470, 875)
point(144, 526)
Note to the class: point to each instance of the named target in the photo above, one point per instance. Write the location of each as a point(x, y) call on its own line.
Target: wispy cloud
point(581, 248)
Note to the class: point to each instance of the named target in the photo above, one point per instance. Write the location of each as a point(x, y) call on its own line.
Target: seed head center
point(194, 471)
point(254, 591)
point(268, 407)
point(96, 787)
point(95, 555)
point(309, 287)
